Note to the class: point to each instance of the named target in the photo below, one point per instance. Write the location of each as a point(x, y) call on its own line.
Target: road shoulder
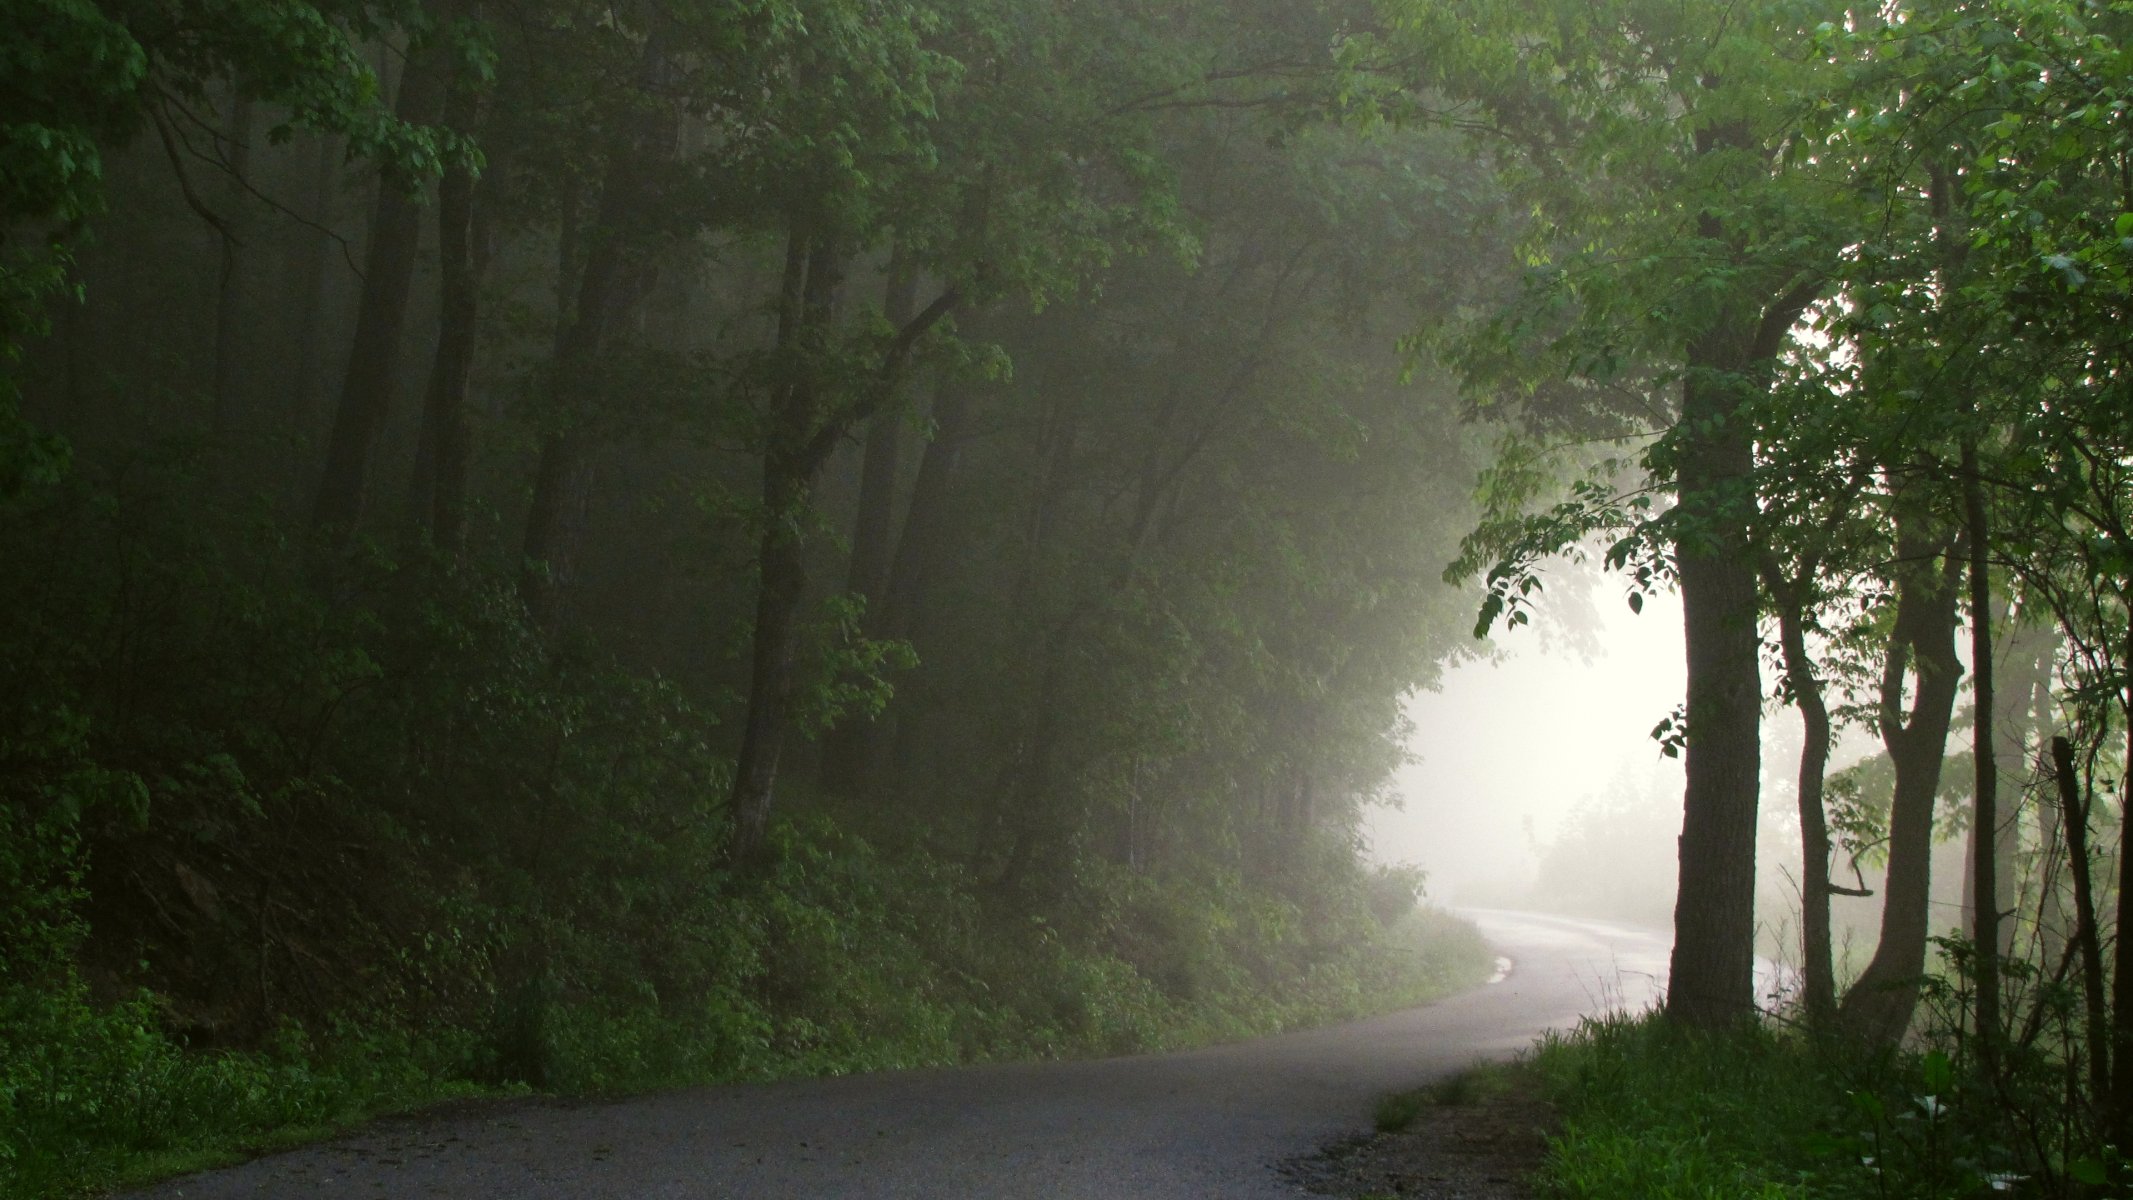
point(1478, 1136)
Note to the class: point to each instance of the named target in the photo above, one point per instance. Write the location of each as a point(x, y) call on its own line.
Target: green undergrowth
point(1652, 1111)
point(294, 835)
point(874, 972)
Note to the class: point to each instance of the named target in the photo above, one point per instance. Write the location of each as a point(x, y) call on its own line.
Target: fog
point(1511, 748)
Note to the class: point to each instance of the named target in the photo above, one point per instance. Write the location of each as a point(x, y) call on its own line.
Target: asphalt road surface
point(1202, 1124)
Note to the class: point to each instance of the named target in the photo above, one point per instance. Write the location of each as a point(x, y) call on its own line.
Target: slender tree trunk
point(309, 285)
point(814, 272)
point(850, 751)
point(437, 493)
point(374, 353)
point(805, 426)
point(2122, 979)
point(873, 528)
point(562, 481)
point(1985, 826)
point(229, 296)
point(2074, 813)
point(778, 595)
point(1880, 1004)
point(923, 551)
point(1819, 982)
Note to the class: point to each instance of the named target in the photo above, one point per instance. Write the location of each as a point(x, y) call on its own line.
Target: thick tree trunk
point(374, 352)
point(1711, 978)
point(1879, 1005)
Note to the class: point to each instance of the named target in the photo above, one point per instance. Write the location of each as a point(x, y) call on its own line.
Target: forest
point(586, 546)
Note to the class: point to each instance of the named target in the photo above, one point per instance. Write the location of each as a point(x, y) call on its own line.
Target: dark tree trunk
point(1879, 1005)
point(229, 294)
point(873, 527)
point(923, 551)
point(1819, 980)
point(1711, 982)
point(1985, 825)
point(850, 751)
point(778, 596)
point(609, 284)
point(805, 427)
point(814, 272)
point(309, 285)
point(438, 492)
point(2074, 813)
point(374, 352)
point(2121, 1094)
point(1711, 977)
point(2013, 726)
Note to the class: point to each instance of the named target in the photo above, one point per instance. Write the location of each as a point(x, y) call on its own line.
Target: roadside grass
point(1477, 1084)
point(1651, 1111)
point(98, 1097)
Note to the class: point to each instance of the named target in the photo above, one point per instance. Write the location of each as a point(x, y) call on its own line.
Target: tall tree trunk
point(849, 752)
point(608, 285)
point(1985, 826)
point(308, 282)
point(2015, 649)
point(2122, 980)
point(873, 527)
point(1818, 970)
point(923, 551)
point(2074, 813)
point(814, 272)
point(1879, 1005)
point(2025, 740)
point(374, 352)
point(1711, 977)
point(229, 295)
point(437, 493)
point(1711, 980)
point(805, 426)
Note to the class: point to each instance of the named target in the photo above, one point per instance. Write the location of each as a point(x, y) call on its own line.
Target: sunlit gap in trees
point(1512, 751)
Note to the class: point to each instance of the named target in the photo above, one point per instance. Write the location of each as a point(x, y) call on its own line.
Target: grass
point(1477, 1084)
point(98, 1098)
point(1767, 1114)
point(1656, 1112)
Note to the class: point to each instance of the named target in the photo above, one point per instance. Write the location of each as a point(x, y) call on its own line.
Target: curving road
point(1199, 1125)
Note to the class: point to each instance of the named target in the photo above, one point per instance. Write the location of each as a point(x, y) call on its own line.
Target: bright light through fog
point(1510, 749)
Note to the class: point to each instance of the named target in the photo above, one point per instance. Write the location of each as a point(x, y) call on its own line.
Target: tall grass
point(1656, 1112)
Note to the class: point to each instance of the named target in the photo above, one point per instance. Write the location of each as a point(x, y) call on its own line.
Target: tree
point(1681, 244)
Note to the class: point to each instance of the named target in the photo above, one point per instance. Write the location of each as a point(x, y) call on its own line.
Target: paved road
point(1199, 1125)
